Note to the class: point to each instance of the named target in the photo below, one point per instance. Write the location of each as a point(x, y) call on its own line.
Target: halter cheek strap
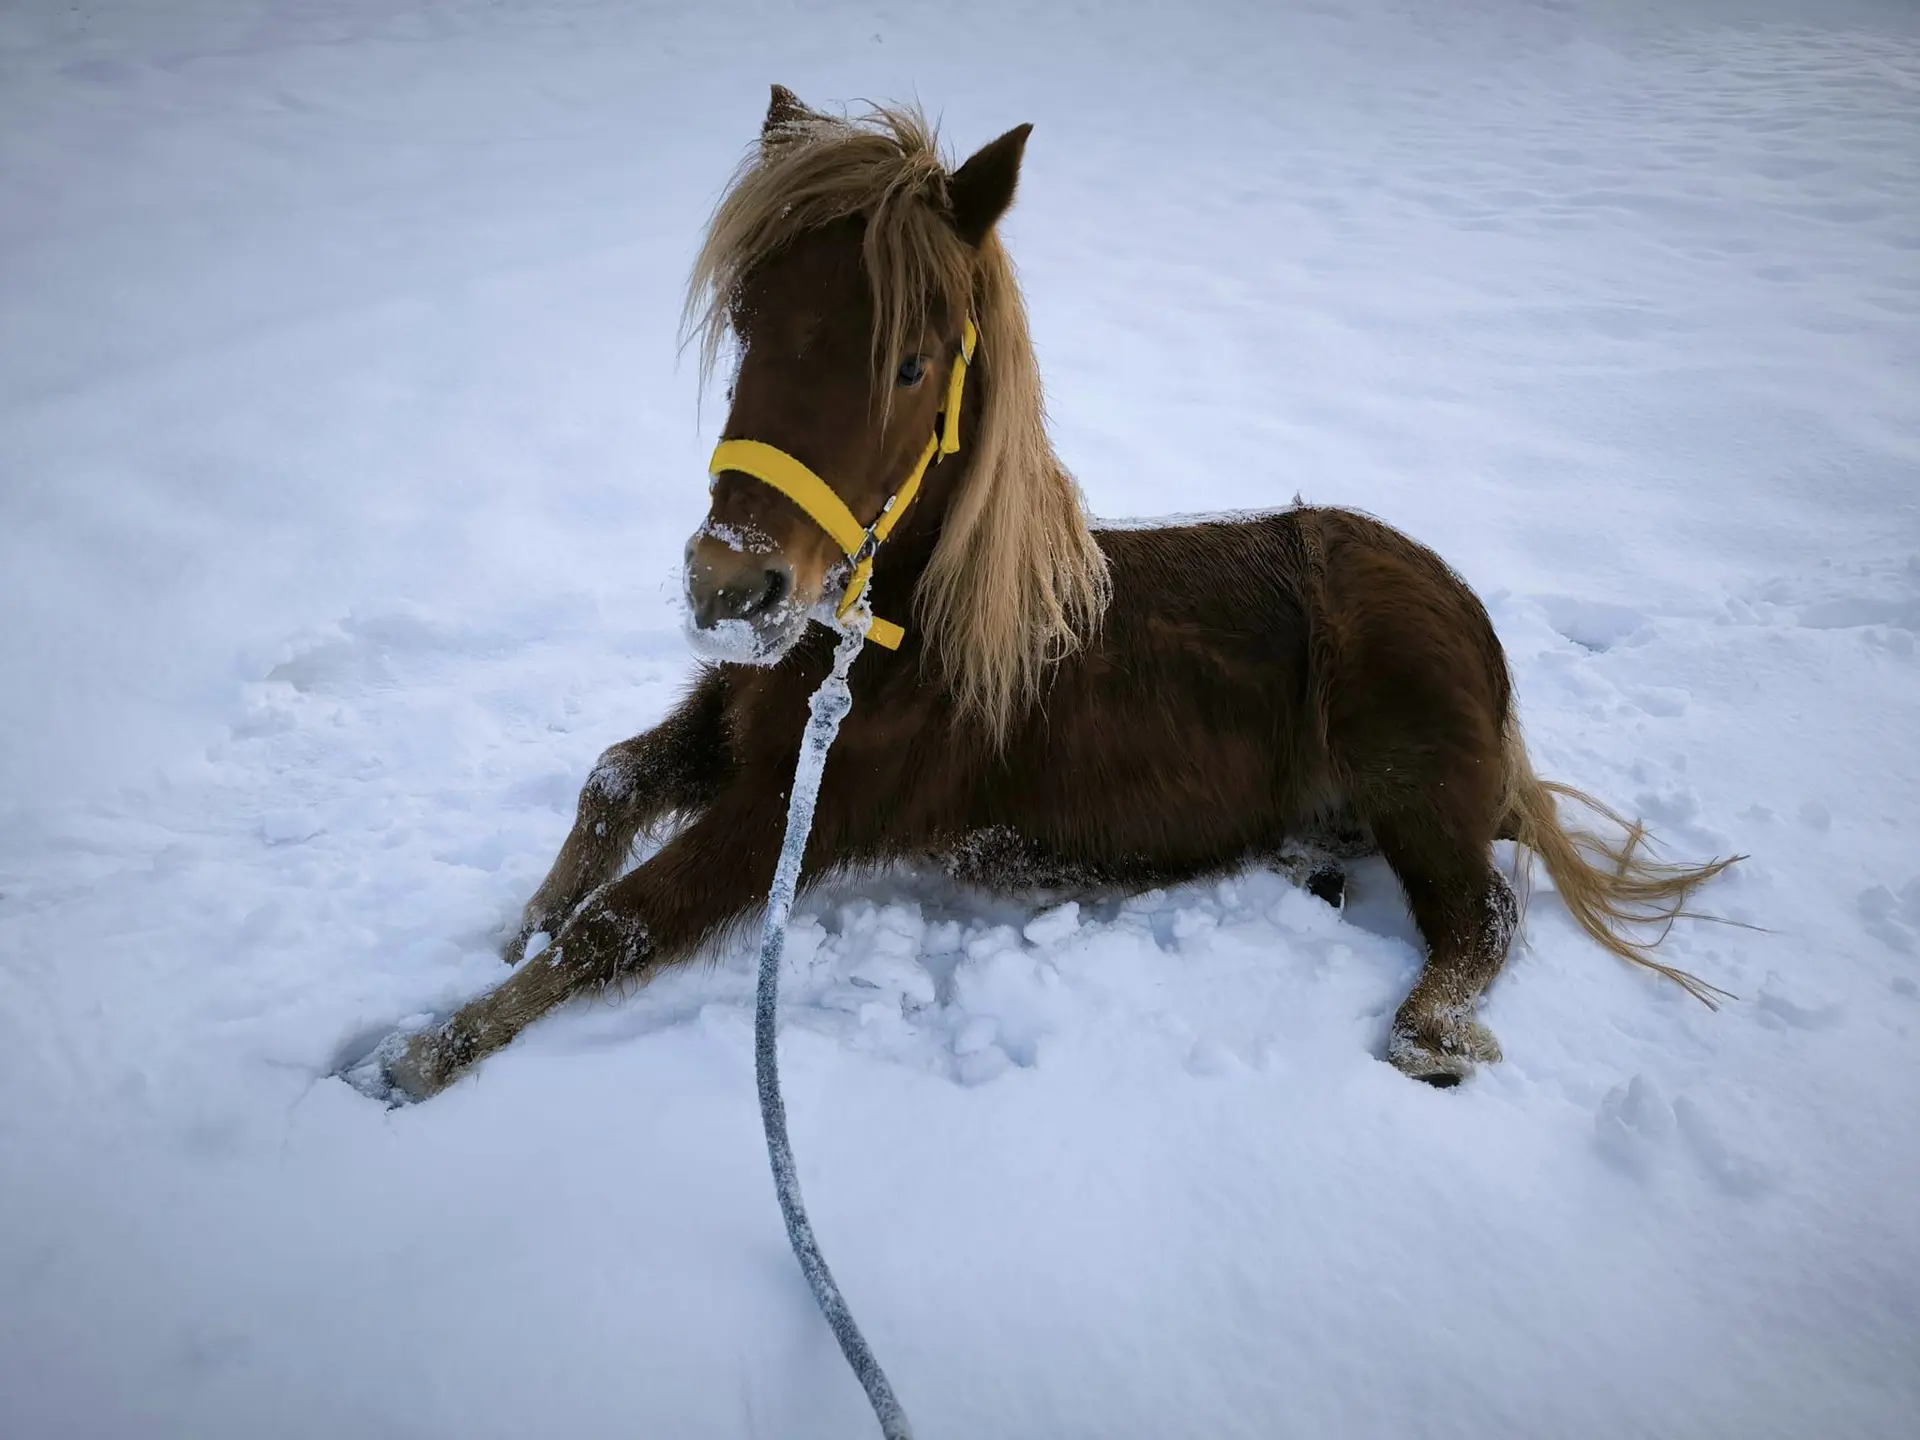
point(773, 466)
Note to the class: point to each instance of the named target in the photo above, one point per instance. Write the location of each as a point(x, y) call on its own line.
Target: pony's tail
point(1611, 887)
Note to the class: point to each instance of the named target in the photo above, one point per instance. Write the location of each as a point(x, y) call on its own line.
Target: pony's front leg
point(712, 873)
point(675, 768)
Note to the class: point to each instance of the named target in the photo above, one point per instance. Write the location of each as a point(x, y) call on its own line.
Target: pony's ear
point(982, 189)
point(784, 112)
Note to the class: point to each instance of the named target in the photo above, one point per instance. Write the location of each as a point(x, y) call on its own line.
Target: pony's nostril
point(779, 580)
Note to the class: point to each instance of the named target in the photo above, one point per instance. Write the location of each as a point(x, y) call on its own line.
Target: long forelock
point(883, 167)
point(1016, 581)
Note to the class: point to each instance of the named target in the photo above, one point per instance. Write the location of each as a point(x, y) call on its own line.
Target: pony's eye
point(912, 370)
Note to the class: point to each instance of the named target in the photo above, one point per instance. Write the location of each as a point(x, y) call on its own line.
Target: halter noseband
point(773, 466)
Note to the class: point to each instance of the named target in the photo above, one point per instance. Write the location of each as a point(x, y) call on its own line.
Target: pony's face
point(809, 384)
point(784, 272)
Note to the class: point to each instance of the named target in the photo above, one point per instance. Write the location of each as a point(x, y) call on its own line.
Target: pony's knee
point(613, 779)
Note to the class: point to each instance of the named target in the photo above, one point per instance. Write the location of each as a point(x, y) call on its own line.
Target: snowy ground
point(344, 461)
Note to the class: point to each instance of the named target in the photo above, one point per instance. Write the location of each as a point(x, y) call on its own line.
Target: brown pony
point(1069, 708)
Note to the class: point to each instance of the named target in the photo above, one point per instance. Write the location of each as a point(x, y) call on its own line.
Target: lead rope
point(826, 710)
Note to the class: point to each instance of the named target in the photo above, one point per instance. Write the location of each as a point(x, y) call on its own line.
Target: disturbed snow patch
point(1245, 972)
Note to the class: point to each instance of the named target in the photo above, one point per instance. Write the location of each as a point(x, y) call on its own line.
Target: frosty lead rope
point(826, 710)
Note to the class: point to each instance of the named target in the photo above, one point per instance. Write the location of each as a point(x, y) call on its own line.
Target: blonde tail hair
point(1611, 887)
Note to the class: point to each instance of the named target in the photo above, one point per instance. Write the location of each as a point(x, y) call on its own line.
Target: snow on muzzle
point(743, 603)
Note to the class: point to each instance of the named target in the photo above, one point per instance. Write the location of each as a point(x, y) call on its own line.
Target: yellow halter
point(773, 466)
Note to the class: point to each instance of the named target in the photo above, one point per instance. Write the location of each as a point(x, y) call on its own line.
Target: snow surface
point(344, 466)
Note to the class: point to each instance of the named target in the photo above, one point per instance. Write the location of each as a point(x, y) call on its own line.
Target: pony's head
point(844, 264)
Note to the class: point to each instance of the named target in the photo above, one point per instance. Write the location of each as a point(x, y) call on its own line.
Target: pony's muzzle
point(750, 592)
point(731, 591)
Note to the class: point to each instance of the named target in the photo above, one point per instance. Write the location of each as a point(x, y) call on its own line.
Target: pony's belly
point(1002, 859)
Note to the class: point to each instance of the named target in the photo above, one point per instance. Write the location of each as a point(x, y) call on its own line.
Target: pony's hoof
point(410, 1077)
point(371, 1073)
point(403, 1069)
point(1329, 883)
point(1444, 1059)
point(513, 949)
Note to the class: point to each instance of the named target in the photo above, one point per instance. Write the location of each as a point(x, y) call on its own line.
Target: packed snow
point(346, 459)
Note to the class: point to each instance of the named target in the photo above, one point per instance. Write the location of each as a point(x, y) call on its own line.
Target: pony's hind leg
point(1467, 915)
point(1439, 843)
point(676, 767)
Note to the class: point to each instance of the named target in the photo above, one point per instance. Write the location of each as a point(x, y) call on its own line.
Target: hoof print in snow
point(1643, 1132)
point(1735, 1173)
point(1634, 1125)
point(1780, 1005)
point(1894, 920)
point(1594, 625)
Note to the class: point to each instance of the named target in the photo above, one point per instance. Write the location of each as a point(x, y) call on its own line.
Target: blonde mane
point(1016, 581)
